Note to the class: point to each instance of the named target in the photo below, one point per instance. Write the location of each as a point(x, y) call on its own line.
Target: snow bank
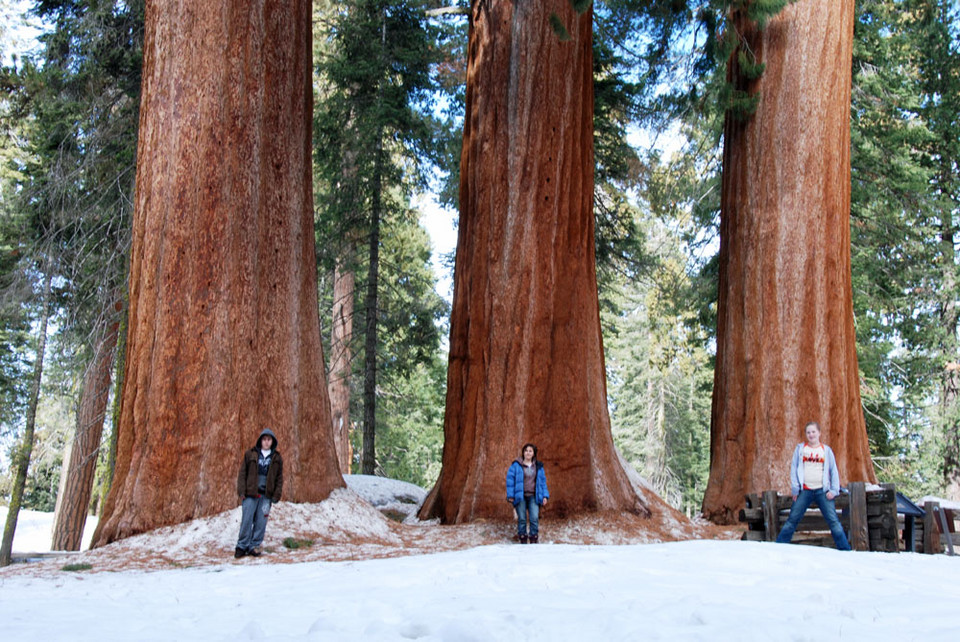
point(352, 524)
point(398, 500)
point(34, 532)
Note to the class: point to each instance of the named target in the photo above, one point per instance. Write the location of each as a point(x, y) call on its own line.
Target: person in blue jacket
point(527, 491)
point(814, 477)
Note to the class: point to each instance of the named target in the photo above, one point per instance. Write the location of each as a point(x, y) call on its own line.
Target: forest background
point(389, 99)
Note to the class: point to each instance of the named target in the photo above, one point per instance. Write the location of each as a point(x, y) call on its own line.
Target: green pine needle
point(742, 105)
point(581, 5)
point(559, 28)
point(749, 66)
point(293, 543)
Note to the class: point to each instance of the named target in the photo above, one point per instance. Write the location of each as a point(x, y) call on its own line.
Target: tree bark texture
point(20, 461)
point(372, 298)
point(111, 463)
point(341, 337)
point(223, 333)
point(786, 351)
point(80, 467)
point(369, 453)
point(950, 378)
point(526, 355)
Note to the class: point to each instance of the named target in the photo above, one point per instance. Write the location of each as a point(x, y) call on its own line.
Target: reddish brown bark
point(785, 335)
point(224, 335)
point(526, 357)
point(76, 483)
point(341, 355)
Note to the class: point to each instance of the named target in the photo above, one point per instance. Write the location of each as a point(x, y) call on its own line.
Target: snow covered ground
point(698, 590)
point(489, 590)
point(35, 530)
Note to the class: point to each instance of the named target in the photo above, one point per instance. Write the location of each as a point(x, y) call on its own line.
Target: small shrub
point(293, 543)
point(81, 566)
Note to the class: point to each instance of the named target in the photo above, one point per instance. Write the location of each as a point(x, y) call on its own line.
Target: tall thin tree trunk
point(79, 469)
point(111, 463)
point(369, 455)
point(369, 463)
point(21, 455)
point(344, 299)
point(663, 472)
point(223, 334)
point(786, 352)
point(950, 386)
point(341, 354)
point(526, 354)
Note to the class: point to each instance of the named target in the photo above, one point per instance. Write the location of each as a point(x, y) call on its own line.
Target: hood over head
point(267, 431)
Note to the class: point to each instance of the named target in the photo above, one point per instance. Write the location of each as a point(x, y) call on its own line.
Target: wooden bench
point(869, 518)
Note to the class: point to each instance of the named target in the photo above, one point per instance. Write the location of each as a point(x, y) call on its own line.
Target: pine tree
point(372, 136)
point(938, 56)
point(22, 453)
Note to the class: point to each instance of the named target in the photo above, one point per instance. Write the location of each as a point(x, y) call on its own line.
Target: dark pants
point(827, 509)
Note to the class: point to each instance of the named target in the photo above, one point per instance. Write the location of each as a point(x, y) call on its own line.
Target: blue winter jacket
point(515, 483)
point(831, 474)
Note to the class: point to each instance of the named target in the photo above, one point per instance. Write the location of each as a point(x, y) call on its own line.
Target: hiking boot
point(523, 539)
point(254, 552)
point(534, 539)
point(239, 553)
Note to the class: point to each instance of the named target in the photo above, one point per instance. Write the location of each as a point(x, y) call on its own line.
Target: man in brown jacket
point(259, 485)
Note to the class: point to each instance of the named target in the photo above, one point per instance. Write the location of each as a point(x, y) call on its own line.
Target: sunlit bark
point(224, 335)
point(786, 349)
point(526, 356)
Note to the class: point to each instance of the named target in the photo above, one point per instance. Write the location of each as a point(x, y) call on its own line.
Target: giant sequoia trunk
point(526, 359)
point(80, 459)
point(224, 334)
point(785, 334)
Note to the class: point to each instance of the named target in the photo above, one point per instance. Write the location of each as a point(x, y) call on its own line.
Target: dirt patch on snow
point(347, 527)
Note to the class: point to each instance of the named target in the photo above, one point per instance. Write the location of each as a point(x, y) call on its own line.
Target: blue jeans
point(528, 510)
point(827, 509)
point(253, 522)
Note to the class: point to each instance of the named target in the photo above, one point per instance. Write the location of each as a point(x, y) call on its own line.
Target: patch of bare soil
point(345, 527)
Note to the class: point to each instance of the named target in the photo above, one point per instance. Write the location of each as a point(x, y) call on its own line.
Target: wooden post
point(771, 515)
point(909, 534)
point(946, 529)
point(859, 535)
point(889, 533)
point(931, 535)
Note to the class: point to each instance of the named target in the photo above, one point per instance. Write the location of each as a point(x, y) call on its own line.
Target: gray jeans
point(253, 522)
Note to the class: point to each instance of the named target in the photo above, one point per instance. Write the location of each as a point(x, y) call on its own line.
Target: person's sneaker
point(534, 539)
point(239, 553)
point(523, 539)
point(254, 552)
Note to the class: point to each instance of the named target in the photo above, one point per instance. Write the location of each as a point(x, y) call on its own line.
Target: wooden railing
point(935, 533)
point(869, 518)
